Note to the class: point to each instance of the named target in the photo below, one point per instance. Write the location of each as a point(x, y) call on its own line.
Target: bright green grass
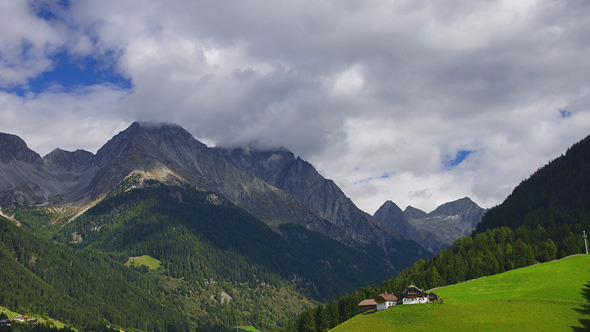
point(146, 260)
point(542, 297)
point(248, 328)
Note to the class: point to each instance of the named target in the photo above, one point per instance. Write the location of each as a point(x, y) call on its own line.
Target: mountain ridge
point(80, 178)
point(435, 230)
point(298, 178)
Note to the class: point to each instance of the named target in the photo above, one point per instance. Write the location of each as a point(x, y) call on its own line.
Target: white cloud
point(25, 43)
point(362, 89)
point(348, 82)
point(84, 120)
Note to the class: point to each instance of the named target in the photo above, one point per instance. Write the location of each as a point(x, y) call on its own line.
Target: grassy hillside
point(150, 262)
point(553, 296)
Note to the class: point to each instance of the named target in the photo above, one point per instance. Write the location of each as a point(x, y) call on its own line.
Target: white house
point(414, 295)
point(385, 301)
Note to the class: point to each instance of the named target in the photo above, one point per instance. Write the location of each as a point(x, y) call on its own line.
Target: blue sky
point(69, 73)
point(451, 162)
point(420, 103)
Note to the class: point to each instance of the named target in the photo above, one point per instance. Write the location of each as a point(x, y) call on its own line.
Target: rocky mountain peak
point(437, 229)
point(61, 160)
point(389, 211)
point(414, 213)
point(455, 207)
point(13, 147)
point(144, 139)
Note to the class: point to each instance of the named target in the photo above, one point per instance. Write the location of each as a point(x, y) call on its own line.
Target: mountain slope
point(171, 150)
point(437, 229)
point(555, 195)
point(80, 287)
point(203, 239)
point(299, 179)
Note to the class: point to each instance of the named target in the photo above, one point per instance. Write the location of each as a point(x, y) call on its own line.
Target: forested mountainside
point(176, 224)
point(80, 287)
point(541, 220)
point(555, 195)
point(437, 229)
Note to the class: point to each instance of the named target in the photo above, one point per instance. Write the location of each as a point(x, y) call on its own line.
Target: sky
point(414, 101)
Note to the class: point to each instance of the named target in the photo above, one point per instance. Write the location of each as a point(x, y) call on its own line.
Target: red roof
point(369, 302)
point(385, 298)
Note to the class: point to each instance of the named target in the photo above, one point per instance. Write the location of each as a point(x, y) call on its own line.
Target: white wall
point(385, 305)
point(415, 300)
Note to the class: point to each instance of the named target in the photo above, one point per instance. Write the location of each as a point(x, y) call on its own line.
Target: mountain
point(168, 152)
point(27, 179)
point(298, 178)
point(59, 160)
point(435, 230)
point(171, 152)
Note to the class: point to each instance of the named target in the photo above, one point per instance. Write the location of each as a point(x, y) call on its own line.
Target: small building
point(367, 305)
point(385, 301)
point(432, 297)
point(414, 295)
point(4, 322)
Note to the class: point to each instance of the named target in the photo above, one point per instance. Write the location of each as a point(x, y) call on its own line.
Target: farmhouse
point(385, 301)
point(367, 305)
point(382, 301)
point(414, 295)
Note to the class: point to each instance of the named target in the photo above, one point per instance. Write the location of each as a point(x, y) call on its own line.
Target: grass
point(149, 261)
point(43, 320)
point(248, 328)
point(553, 296)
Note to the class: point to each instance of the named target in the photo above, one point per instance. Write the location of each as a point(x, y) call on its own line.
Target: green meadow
point(553, 296)
point(149, 261)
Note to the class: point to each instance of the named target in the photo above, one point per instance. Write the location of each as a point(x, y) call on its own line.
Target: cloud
point(80, 120)
point(359, 88)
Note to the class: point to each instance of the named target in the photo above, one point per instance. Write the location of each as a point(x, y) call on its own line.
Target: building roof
point(368, 302)
point(413, 291)
point(385, 297)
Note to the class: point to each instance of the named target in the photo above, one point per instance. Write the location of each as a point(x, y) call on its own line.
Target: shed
point(367, 305)
point(432, 297)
